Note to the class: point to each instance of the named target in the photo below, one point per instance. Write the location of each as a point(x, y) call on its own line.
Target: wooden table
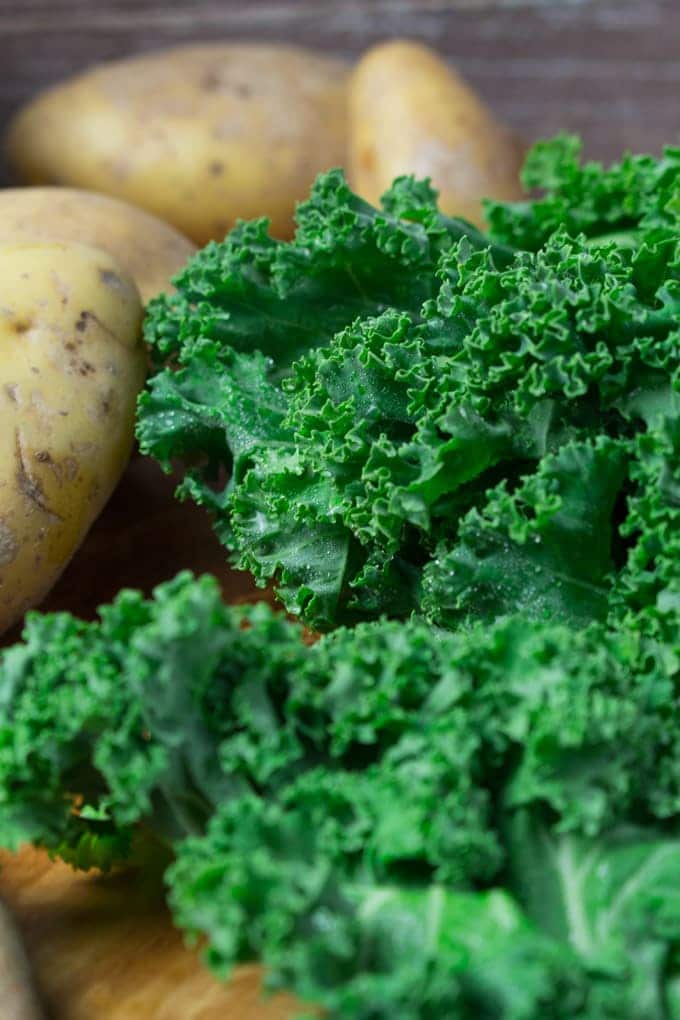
point(104, 949)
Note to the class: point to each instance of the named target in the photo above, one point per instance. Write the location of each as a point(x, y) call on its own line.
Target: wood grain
point(104, 949)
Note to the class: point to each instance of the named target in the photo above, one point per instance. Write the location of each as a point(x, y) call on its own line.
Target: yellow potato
point(198, 135)
point(410, 113)
point(73, 363)
point(147, 249)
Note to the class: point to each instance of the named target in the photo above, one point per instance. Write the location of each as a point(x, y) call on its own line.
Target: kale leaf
point(397, 820)
point(614, 203)
point(390, 414)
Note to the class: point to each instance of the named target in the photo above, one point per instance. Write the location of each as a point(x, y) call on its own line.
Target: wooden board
point(105, 949)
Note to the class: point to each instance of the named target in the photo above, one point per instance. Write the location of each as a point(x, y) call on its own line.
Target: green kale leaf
point(460, 434)
point(397, 820)
point(605, 204)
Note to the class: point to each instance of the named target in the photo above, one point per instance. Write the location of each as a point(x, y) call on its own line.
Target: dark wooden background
point(609, 69)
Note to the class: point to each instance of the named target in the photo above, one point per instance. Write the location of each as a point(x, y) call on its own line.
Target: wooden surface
point(104, 949)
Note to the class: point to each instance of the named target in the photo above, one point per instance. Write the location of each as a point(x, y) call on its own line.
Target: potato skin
point(410, 113)
point(199, 135)
point(73, 363)
point(146, 248)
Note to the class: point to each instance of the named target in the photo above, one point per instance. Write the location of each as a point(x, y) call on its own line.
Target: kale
point(392, 413)
point(397, 820)
point(616, 203)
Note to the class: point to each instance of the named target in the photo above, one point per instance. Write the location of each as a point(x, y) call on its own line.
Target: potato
point(73, 363)
point(147, 249)
point(198, 135)
point(410, 113)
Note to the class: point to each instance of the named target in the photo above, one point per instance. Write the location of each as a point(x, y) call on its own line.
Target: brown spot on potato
point(43, 457)
point(111, 279)
point(11, 391)
point(210, 81)
point(20, 326)
point(216, 168)
point(86, 316)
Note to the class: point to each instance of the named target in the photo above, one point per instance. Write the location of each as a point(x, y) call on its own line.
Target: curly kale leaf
point(348, 259)
point(396, 817)
point(544, 549)
point(477, 467)
point(169, 707)
point(389, 414)
point(361, 949)
point(59, 689)
point(612, 203)
point(648, 588)
point(341, 882)
point(595, 330)
point(609, 900)
point(247, 308)
point(105, 724)
point(587, 929)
